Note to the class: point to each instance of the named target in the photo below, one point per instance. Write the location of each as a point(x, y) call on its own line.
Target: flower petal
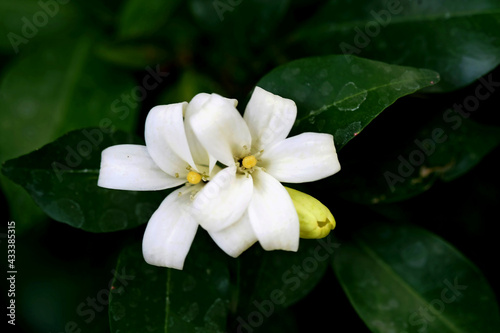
point(221, 129)
point(223, 200)
point(129, 167)
point(269, 118)
point(200, 155)
point(303, 158)
point(166, 138)
point(236, 238)
point(170, 231)
point(272, 214)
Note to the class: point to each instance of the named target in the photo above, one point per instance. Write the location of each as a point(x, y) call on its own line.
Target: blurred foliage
point(426, 162)
point(458, 39)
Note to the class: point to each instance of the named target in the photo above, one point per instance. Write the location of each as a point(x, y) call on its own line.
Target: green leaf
point(458, 39)
point(72, 293)
point(53, 90)
point(445, 148)
point(273, 280)
point(341, 95)
point(21, 207)
point(140, 18)
point(405, 279)
point(159, 299)
point(61, 177)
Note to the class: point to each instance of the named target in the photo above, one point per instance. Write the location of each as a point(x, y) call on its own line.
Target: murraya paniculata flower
point(245, 202)
point(172, 156)
point(239, 204)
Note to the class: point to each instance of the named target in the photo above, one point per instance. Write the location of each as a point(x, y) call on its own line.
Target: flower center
point(193, 177)
point(249, 162)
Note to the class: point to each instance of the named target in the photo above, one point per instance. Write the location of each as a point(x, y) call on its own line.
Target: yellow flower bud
point(315, 219)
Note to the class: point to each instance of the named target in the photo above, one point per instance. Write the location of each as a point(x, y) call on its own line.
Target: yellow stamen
point(193, 177)
point(249, 162)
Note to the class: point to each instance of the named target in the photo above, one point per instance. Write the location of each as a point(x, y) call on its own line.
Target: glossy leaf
point(158, 299)
point(278, 279)
point(140, 18)
point(458, 39)
point(341, 95)
point(444, 149)
point(405, 279)
point(61, 177)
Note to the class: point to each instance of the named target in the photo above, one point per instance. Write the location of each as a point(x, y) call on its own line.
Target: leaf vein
point(371, 253)
point(363, 91)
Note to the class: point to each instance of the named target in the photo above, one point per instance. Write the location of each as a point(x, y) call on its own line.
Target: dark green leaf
point(341, 95)
point(73, 292)
point(21, 206)
point(405, 279)
point(458, 39)
point(277, 279)
point(142, 17)
point(61, 177)
point(444, 149)
point(158, 299)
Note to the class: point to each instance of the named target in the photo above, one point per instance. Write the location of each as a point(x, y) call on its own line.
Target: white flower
point(246, 202)
point(172, 157)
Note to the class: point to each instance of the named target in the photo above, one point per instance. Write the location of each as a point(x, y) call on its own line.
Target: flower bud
point(315, 219)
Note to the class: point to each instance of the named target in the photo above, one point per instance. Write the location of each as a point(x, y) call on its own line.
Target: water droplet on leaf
point(343, 135)
point(350, 97)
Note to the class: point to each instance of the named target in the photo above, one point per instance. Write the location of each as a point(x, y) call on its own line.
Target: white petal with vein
point(199, 153)
point(170, 231)
point(221, 129)
point(129, 167)
point(160, 136)
point(272, 214)
point(269, 118)
point(303, 158)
